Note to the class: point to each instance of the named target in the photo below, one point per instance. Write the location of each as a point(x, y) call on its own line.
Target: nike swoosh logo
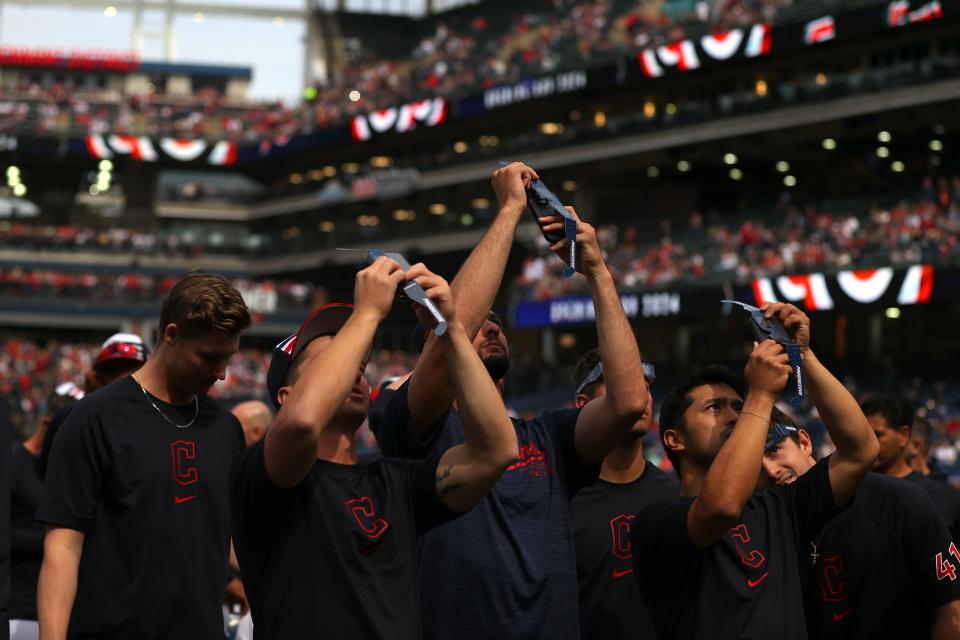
point(620, 574)
point(180, 500)
point(753, 583)
point(837, 617)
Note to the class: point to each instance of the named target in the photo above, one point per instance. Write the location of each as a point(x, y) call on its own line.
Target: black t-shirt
point(152, 500)
point(335, 556)
point(611, 605)
point(882, 565)
point(6, 435)
point(26, 553)
point(747, 584)
point(944, 496)
point(506, 569)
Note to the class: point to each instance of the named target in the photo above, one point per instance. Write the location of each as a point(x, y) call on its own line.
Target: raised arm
point(857, 446)
point(474, 290)
point(604, 420)
point(466, 472)
point(732, 477)
point(327, 376)
point(58, 581)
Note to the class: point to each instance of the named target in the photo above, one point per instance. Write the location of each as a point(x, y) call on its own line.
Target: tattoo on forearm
point(450, 487)
point(443, 475)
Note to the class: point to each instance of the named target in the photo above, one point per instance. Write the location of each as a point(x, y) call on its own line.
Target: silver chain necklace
point(196, 404)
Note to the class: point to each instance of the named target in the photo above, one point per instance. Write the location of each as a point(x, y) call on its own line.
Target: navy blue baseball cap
point(776, 434)
point(324, 321)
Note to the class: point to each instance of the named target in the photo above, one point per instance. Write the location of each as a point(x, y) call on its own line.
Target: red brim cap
point(121, 351)
point(324, 321)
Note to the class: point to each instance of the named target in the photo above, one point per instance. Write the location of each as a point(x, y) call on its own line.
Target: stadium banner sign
point(761, 39)
point(884, 286)
point(426, 113)
point(81, 59)
point(144, 149)
point(577, 310)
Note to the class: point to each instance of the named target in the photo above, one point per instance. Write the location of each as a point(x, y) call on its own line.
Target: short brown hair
point(202, 303)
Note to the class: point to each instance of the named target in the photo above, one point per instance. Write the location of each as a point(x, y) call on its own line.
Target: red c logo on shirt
point(181, 453)
point(362, 510)
point(620, 529)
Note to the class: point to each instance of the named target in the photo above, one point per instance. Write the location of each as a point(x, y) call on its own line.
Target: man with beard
point(507, 568)
point(720, 561)
point(135, 495)
point(611, 605)
point(884, 568)
point(892, 420)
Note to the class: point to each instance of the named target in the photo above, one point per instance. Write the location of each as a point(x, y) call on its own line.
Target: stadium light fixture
point(783, 166)
point(683, 166)
point(760, 88)
point(892, 312)
point(438, 209)
point(736, 174)
point(897, 167)
point(936, 145)
point(883, 152)
point(551, 128)
point(401, 215)
point(730, 158)
point(278, 22)
point(350, 167)
point(653, 172)
point(600, 119)
point(329, 171)
point(488, 141)
point(104, 176)
point(94, 190)
point(354, 96)
point(291, 232)
point(296, 178)
point(671, 109)
point(821, 79)
point(789, 181)
point(13, 172)
point(105, 165)
point(466, 219)
point(884, 136)
point(460, 147)
point(569, 185)
point(381, 162)
point(198, 17)
point(326, 226)
point(19, 190)
point(649, 109)
point(315, 174)
point(829, 144)
point(480, 203)
point(368, 221)
point(110, 12)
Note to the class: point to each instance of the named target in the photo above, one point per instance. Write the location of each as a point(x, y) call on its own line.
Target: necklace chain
point(196, 404)
point(813, 553)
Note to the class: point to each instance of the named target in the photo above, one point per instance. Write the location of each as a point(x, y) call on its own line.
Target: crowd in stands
point(263, 296)
point(475, 48)
point(457, 52)
point(790, 241)
point(114, 240)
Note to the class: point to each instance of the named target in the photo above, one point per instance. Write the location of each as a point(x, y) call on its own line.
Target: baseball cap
point(324, 321)
point(649, 372)
point(776, 434)
point(122, 346)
